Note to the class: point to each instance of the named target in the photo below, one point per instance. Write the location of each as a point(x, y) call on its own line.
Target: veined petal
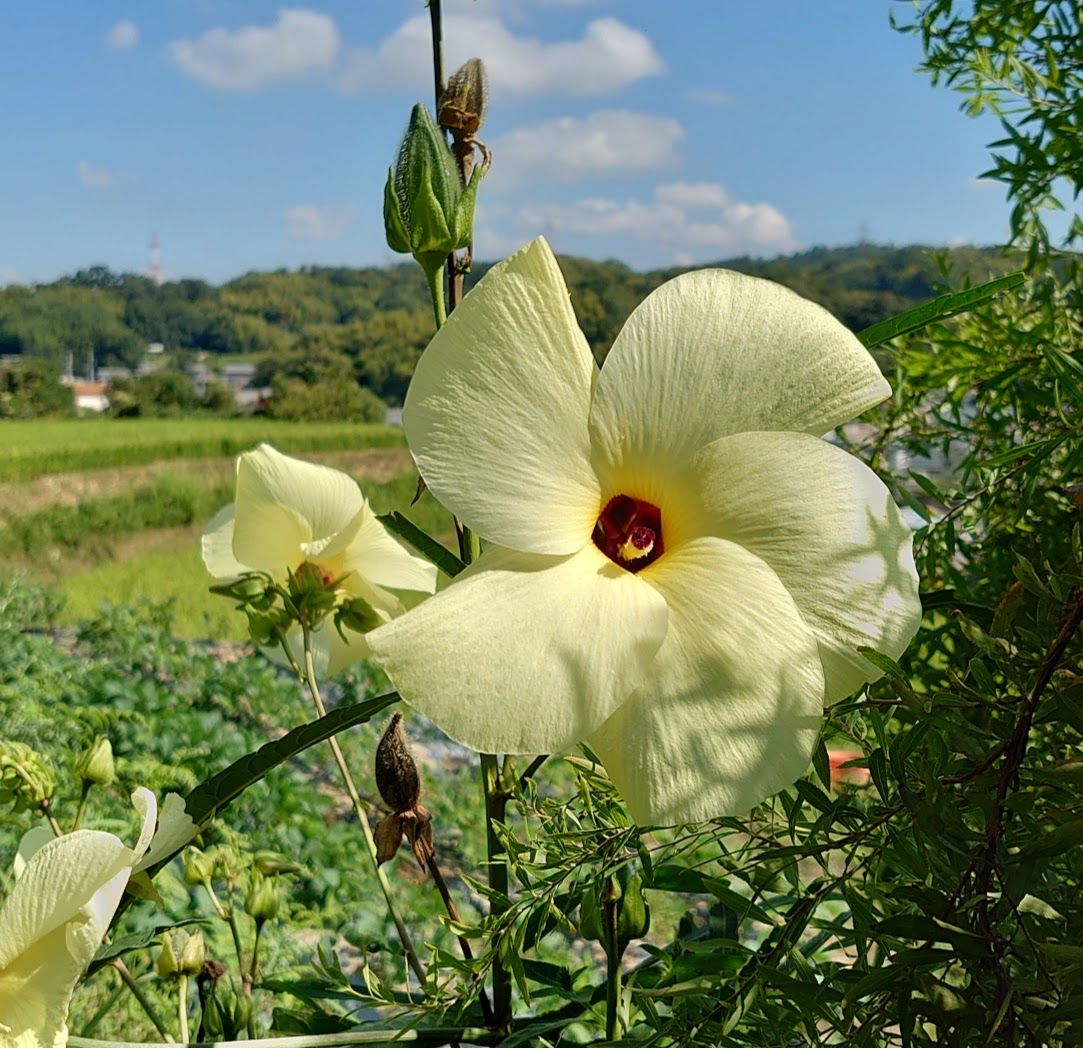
point(496, 414)
point(714, 352)
point(368, 550)
point(217, 546)
point(330, 653)
point(175, 830)
point(56, 885)
point(283, 503)
point(731, 710)
point(525, 653)
point(828, 527)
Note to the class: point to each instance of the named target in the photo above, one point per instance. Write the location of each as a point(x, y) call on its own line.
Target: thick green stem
point(434, 276)
point(496, 800)
point(129, 980)
point(182, 1007)
point(255, 953)
point(362, 815)
point(612, 958)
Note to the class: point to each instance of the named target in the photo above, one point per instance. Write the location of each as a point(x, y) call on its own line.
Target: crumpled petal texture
point(780, 554)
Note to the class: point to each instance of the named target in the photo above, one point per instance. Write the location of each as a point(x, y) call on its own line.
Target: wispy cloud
point(710, 96)
point(317, 222)
point(299, 42)
point(604, 143)
point(94, 177)
point(123, 36)
point(607, 57)
point(699, 220)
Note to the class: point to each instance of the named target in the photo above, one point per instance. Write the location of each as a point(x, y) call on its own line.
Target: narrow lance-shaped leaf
point(425, 544)
point(939, 309)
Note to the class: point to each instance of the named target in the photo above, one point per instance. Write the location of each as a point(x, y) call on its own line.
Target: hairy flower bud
point(198, 867)
point(428, 212)
point(271, 862)
point(464, 100)
point(26, 779)
point(193, 954)
point(166, 965)
point(95, 764)
point(358, 615)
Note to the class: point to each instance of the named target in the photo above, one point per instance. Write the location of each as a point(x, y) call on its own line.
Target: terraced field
point(110, 511)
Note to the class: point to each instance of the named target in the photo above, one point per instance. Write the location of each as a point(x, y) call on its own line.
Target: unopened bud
point(428, 212)
point(263, 899)
point(166, 965)
point(358, 614)
point(464, 100)
point(95, 764)
point(26, 779)
point(271, 862)
point(198, 866)
point(193, 954)
point(396, 773)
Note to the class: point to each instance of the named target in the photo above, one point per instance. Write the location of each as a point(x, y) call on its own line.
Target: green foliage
point(319, 385)
point(159, 394)
point(31, 388)
point(1024, 63)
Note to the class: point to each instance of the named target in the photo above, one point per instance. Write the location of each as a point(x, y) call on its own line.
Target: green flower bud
point(633, 913)
point(263, 899)
point(358, 615)
point(95, 765)
point(26, 778)
point(271, 862)
point(193, 954)
point(428, 212)
point(198, 866)
point(166, 966)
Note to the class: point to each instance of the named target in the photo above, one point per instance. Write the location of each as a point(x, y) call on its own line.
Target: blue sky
point(250, 135)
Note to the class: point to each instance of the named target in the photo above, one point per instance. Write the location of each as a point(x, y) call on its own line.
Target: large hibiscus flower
point(679, 569)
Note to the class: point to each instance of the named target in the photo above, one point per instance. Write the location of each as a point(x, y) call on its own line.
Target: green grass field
point(39, 447)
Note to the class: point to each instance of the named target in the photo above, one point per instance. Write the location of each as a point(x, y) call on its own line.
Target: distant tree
point(333, 400)
point(161, 394)
point(219, 399)
point(31, 388)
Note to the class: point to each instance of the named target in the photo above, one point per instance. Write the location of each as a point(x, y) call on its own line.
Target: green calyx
point(428, 212)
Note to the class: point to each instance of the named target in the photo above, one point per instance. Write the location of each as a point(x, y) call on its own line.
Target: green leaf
point(939, 309)
point(425, 544)
point(211, 796)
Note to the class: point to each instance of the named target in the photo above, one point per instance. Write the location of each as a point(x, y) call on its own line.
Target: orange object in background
point(841, 776)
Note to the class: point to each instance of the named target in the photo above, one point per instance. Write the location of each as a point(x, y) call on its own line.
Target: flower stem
point(182, 1007)
point(612, 966)
point(496, 800)
point(230, 918)
point(434, 275)
point(255, 952)
point(129, 980)
point(359, 809)
point(78, 821)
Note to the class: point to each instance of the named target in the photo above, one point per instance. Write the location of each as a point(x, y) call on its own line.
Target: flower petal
point(175, 830)
point(282, 503)
point(217, 546)
point(523, 653)
point(731, 710)
point(496, 414)
point(828, 527)
point(712, 353)
point(57, 883)
point(330, 653)
point(367, 549)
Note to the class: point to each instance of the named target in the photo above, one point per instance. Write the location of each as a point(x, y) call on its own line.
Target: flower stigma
point(629, 532)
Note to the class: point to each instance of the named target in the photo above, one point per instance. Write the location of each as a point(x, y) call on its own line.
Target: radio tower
point(154, 270)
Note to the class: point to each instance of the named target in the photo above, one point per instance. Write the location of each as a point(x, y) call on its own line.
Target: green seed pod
point(633, 913)
point(26, 778)
point(95, 764)
point(428, 212)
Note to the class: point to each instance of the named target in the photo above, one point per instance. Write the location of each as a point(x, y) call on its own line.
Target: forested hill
point(380, 317)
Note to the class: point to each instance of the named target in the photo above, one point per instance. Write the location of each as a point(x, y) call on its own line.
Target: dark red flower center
point(629, 532)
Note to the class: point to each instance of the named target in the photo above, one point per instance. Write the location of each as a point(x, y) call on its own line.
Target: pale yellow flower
point(287, 513)
point(679, 568)
point(51, 925)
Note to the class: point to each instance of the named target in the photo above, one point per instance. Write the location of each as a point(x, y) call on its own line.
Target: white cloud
point(94, 177)
point(123, 36)
point(605, 143)
point(686, 216)
point(609, 56)
point(983, 185)
point(297, 43)
point(710, 96)
point(313, 222)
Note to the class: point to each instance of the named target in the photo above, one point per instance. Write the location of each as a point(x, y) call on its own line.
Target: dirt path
point(19, 498)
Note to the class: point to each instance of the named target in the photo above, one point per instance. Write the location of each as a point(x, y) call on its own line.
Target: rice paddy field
point(110, 511)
